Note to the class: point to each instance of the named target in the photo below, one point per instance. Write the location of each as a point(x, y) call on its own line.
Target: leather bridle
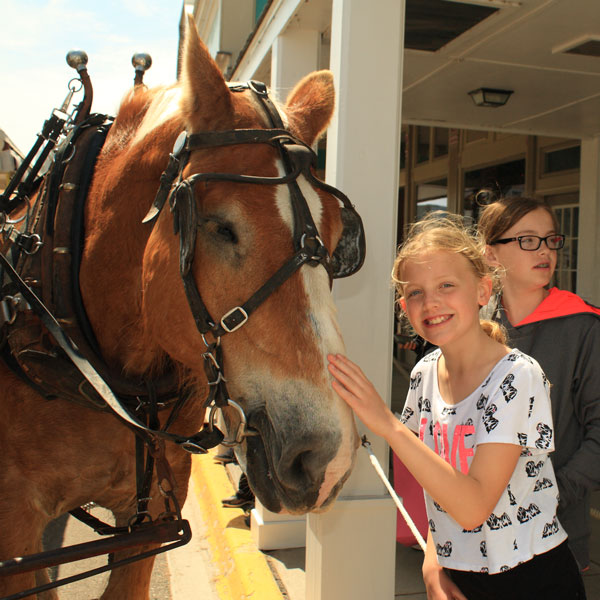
point(298, 159)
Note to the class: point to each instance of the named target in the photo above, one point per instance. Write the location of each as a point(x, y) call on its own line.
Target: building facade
point(408, 137)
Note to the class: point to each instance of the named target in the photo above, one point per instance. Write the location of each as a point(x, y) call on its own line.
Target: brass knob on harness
point(77, 59)
point(141, 62)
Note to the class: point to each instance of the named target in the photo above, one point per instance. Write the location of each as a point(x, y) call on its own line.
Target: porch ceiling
point(520, 47)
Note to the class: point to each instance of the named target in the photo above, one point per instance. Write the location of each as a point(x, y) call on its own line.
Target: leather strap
point(200, 442)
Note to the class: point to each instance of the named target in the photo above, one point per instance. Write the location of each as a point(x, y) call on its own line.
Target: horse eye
point(226, 233)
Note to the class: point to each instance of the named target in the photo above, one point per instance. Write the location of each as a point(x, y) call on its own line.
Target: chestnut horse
point(58, 455)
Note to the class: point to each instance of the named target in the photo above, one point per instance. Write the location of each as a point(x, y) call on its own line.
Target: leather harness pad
point(53, 274)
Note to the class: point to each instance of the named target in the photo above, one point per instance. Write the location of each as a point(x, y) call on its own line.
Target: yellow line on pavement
point(243, 572)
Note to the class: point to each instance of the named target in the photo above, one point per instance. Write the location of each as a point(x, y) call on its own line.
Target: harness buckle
point(258, 87)
point(8, 309)
point(233, 315)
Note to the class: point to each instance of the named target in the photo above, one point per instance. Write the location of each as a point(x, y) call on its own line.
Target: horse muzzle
point(287, 463)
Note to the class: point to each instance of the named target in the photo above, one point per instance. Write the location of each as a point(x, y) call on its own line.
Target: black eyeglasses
point(532, 242)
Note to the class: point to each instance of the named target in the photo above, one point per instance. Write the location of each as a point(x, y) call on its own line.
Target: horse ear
point(205, 99)
point(310, 105)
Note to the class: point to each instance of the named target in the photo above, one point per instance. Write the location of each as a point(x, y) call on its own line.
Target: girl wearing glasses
point(562, 332)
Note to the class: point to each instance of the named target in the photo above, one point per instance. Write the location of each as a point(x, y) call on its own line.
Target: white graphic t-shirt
point(512, 406)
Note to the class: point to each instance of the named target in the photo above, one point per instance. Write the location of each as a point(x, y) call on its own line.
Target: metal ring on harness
point(138, 518)
point(242, 429)
point(67, 158)
point(37, 244)
point(8, 309)
point(74, 87)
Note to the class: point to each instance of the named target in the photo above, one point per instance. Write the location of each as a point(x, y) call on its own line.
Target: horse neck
point(125, 183)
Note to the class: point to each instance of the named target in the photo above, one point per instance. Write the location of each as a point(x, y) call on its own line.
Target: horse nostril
point(300, 467)
point(303, 472)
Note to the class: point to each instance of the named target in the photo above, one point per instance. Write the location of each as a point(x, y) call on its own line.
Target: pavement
point(185, 573)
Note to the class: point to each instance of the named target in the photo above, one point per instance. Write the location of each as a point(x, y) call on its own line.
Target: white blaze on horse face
point(316, 281)
point(328, 338)
point(164, 106)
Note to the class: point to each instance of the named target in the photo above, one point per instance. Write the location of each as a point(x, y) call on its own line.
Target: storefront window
point(440, 141)
point(565, 159)
point(567, 212)
point(403, 147)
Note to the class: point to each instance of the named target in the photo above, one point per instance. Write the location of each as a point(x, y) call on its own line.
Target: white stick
point(394, 496)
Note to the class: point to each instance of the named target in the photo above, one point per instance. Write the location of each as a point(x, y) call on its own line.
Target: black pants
point(553, 575)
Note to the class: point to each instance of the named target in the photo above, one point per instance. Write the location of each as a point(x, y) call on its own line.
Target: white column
point(588, 257)
point(294, 54)
point(350, 550)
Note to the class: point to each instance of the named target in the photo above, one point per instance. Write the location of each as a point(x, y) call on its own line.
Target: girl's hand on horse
point(352, 386)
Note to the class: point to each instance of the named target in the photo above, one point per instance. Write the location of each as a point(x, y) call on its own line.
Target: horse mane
point(137, 106)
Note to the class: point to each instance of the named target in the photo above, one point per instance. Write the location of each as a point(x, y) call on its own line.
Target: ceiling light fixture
point(490, 97)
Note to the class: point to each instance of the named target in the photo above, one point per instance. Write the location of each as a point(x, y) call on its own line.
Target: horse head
point(254, 246)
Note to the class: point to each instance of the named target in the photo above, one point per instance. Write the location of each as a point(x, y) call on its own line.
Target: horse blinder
point(349, 254)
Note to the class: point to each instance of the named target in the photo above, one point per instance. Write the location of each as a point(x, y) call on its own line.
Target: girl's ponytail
point(494, 330)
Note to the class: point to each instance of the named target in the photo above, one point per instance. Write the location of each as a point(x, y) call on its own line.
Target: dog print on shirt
point(526, 514)
point(482, 402)
point(545, 436)
point(550, 528)
point(508, 391)
point(542, 484)
point(495, 522)
point(415, 381)
point(489, 420)
point(532, 469)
